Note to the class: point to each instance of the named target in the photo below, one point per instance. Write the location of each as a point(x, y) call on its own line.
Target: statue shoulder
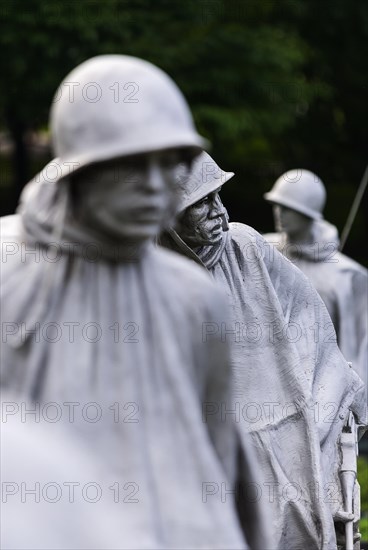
point(10, 227)
point(242, 231)
point(277, 239)
point(253, 243)
point(190, 287)
point(179, 272)
point(348, 264)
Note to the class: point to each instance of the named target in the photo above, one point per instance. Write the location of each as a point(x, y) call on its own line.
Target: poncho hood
point(207, 256)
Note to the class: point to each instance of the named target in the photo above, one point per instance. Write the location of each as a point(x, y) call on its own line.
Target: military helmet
point(204, 178)
point(300, 190)
point(113, 106)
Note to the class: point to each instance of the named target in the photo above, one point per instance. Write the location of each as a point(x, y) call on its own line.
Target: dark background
point(273, 84)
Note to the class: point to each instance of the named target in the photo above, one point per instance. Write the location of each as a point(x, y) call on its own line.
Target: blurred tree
point(332, 139)
point(232, 63)
point(274, 84)
point(40, 43)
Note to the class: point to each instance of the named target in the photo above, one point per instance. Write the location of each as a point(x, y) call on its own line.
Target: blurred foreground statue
point(294, 390)
point(312, 244)
point(54, 494)
point(103, 330)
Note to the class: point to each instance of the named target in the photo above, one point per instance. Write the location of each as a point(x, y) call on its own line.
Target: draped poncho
point(112, 345)
point(293, 386)
point(342, 284)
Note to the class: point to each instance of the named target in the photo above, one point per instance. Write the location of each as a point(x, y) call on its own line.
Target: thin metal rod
point(354, 209)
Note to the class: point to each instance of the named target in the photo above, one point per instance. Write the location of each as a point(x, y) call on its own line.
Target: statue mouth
point(148, 214)
point(216, 229)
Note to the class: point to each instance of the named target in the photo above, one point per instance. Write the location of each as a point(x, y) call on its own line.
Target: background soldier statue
point(294, 389)
point(312, 244)
point(107, 327)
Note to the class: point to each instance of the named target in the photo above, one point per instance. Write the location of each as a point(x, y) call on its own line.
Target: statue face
point(291, 222)
point(129, 198)
point(201, 223)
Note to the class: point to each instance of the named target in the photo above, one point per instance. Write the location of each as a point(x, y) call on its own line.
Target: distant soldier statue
point(312, 244)
point(294, 389)
point(107, 328)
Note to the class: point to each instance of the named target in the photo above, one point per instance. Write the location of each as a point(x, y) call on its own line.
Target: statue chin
point(196, 242)
point(197, 237)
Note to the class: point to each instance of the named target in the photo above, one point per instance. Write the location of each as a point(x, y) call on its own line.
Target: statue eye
point(203, 201)
point(169, 162)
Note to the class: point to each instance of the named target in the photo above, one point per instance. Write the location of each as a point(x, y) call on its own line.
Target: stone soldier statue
point(312, 244)
point(106, 328)
point(294, 390)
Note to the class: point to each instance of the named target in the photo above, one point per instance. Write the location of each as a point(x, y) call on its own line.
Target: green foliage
point(273, 84)
point(363, 481)
point(236, 74)
point(363, 528)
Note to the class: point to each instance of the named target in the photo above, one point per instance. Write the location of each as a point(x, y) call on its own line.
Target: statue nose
point(155, 182)
point(217, 209)
point(225, 221)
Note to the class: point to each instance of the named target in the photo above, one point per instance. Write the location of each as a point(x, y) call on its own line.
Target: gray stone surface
point(100, 321)
point(293, 386)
